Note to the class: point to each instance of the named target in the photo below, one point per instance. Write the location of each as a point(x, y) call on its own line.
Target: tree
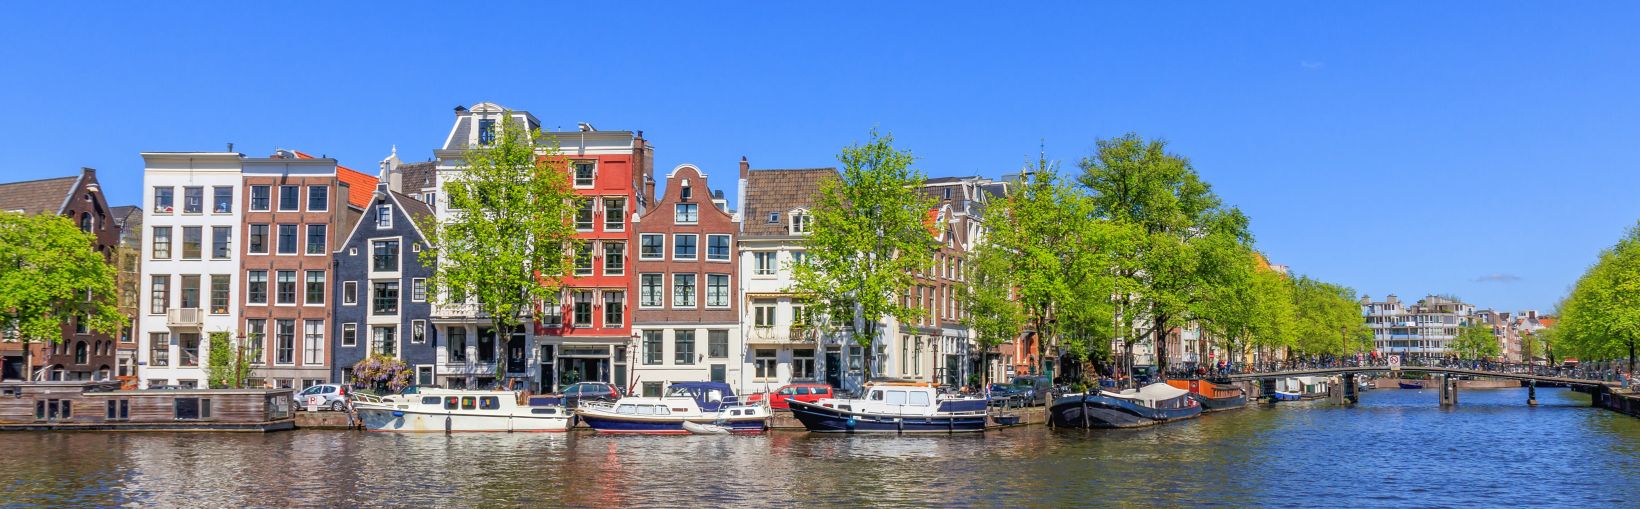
point(1187, 236)
point(868, 234)
point(1601, 318)
point(380, 372)
point(1328, 319)
point(1476, 341)
point(1253, 307)
point(1055, 254)
point(993, 312)
point(227, 364)
point(52, 274)
point(509, 236)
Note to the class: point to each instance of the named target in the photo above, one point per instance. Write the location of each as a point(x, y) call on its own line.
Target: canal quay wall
point(1391, 383)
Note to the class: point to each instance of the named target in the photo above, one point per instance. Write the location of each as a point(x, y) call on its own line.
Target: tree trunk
point(1161, 346)
point(870, 354)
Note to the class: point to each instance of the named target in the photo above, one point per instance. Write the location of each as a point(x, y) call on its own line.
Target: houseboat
point(697, 402)
point(1152, 404)
point(893, 408)
point(101, 406)
point(452, 410)
point(1211, 395)
point(1300, 388)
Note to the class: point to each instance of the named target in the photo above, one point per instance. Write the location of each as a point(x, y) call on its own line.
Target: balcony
point(457, 310)
point(185, 318)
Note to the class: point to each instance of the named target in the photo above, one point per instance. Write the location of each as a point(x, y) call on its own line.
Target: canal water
point(1396, 449)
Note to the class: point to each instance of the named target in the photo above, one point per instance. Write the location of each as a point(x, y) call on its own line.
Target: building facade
point(687, 317)
point(1423, 329)
point(784, 343)
point(128, 260)
point(189, 264)
point(586, 335)
point(381, 298)
point(295, 209)
point(80, 353)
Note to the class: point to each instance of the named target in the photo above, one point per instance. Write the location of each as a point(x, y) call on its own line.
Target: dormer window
point(947, 193)
point(686, 213)
point(774, 218)
point(384, 216)
point(486, 131)
point(800, 221)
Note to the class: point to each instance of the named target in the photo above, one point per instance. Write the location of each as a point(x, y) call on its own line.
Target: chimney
point(745, 168)
point(717, 199)
point(230, 146)
point(460, 109)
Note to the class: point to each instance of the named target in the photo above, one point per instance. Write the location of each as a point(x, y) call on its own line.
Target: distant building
point(1423, 329)
point(128, 282)
point(380, 297)
point(80, 354)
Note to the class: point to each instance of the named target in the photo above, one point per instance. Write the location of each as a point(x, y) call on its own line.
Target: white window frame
point(675, 244)
point(420, 325)
point(661, 279)
point(307, 200)
point(694, 279)
point(642, 236)
point(347, 328)
point(678, 217)
point(757, 263)
point(574, 165)
point(728, 292)
point(729, 239)
point(418, 285)
point(384, 216)
point(350, 293)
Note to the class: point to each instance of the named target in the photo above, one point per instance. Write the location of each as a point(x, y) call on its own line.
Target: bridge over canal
point(1446, 376)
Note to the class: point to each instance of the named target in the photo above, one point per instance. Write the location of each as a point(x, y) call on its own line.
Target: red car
point(807, 393)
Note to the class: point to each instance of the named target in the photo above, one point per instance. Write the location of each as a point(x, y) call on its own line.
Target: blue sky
point(1482, 149)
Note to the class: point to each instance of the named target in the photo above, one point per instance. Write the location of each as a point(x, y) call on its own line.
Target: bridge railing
point(1600, 371)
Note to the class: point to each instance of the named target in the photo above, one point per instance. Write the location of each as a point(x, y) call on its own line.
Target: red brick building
point(81, 354)
point(686, 316)
point(297, 210)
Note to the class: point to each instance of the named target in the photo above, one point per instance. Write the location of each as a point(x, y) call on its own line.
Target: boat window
point(626, 409)
point(489, 403)
point(876, 395)
point(451, 402)
point(680, 392)
point(918, 399)
point(714, 395)
point(894, 397)
point(662, 410)
point(429, 400)
point(468, 402)
point(734, 412)
point(544, 411)
point(646, 410)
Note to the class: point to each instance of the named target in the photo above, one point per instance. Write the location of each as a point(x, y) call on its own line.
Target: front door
point(834, 368)
point(517, 353)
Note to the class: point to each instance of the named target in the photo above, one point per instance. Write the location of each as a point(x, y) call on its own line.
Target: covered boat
point(1300, 388)
point(893, 408)
point(1411, 385)
point(1153, 404)
point(698, 402)
point(451, 410)
point(1211, 395)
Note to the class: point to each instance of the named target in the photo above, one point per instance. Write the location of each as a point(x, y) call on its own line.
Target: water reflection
point(1396, 448)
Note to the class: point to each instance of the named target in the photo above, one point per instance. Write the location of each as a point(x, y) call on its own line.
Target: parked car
point(780, 398)
point(1032, 390)
point(1003, 395)
point(331, 396)
point(589, 391)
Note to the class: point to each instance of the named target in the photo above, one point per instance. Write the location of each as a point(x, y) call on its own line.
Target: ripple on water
point(1396, 449)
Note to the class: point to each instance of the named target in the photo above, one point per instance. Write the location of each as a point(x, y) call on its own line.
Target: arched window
point(82, 353)
point(85, 221)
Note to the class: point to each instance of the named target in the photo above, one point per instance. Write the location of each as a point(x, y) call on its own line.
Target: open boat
point(451, 410)
point(1405, 385)
point(1212, 396)
point(1153, 404)
point(711, 403)
point(893, 408)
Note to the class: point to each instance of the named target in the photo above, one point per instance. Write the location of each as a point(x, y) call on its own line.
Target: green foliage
point(1476, 341)
point(50, 272)
point(867, 235)
point(227, 364)
point(993, 313)
point(1252, 307)
point(1044, 244)
point(510, 243)
point(1328, 319)
point(1601, 318)
point(1188, 242)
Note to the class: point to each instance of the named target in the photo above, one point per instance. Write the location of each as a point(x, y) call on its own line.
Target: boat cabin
point(86, 405)
point(710, 396)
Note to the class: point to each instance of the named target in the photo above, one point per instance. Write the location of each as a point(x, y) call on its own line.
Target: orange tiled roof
point(360, 186)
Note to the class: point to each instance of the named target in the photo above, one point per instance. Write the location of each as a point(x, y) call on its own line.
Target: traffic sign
point(1394, 362)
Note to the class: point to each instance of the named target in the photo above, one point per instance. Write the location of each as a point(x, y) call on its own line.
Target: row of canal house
point(670, 285)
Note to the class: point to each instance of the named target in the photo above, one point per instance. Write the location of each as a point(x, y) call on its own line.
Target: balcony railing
point(187, 318)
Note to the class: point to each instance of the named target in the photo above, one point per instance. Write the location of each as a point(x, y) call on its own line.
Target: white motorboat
point(685, 404)
point(451, 410)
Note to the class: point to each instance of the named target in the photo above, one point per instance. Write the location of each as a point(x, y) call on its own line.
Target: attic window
point(486, 131)
point(947, 193)
point(774, 218)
